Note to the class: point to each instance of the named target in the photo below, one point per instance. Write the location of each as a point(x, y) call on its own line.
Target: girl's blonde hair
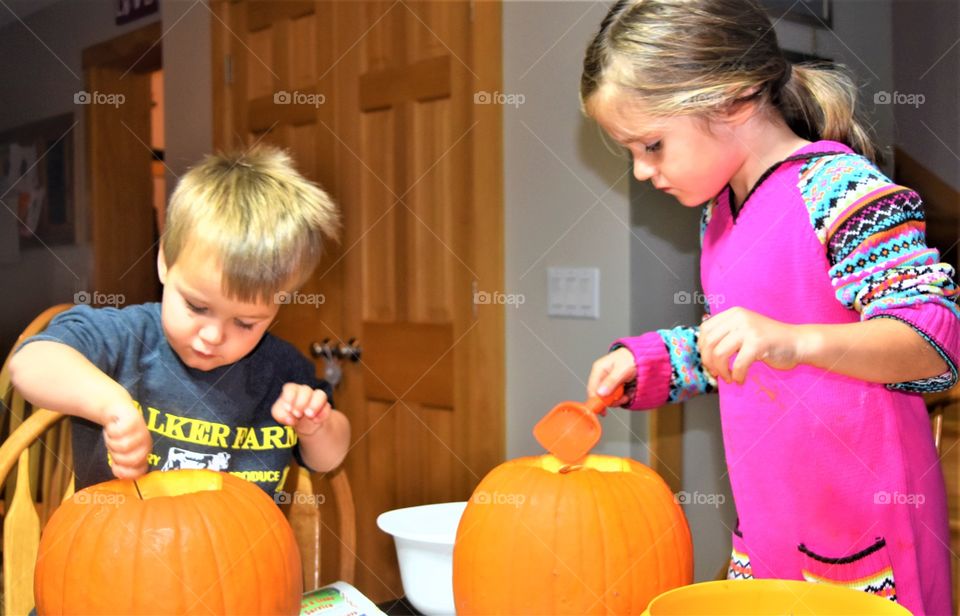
point(704, 56)
point(257, 215)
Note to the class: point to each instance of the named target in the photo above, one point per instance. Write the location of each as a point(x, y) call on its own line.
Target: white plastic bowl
point(424, 538)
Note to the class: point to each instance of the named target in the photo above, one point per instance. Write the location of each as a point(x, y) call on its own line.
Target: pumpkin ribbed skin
point(603, 538)
point(223, 549)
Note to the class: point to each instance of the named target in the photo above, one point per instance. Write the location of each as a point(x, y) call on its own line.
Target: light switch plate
point(573, 292)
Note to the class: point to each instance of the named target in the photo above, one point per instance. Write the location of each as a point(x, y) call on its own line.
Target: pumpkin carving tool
point(571, 429)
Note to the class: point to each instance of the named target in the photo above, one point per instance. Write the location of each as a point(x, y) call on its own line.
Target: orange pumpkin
point(541, 537)
point(190, 542)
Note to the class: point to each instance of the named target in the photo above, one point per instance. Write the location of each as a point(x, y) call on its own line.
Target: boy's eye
point(194, 307)
point(653, 147)
point(243, 325)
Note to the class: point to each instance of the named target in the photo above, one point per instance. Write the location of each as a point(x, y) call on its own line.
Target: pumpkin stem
point(569, 468)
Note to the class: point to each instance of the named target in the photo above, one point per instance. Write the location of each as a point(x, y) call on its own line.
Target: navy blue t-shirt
point(218, 419)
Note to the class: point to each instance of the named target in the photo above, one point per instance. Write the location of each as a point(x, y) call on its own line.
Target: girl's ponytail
point(819, 101)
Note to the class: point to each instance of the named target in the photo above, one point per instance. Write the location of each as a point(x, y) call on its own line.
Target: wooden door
point(119, 159)
point(376, 102)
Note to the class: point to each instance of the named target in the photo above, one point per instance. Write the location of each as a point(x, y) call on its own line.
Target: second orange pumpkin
point(540, 537)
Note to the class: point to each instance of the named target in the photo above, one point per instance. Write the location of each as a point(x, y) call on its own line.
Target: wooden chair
point(38, 444)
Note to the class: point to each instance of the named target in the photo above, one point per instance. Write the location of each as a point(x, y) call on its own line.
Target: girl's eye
point(243, 325)
point(195, 308)
point(653, 147)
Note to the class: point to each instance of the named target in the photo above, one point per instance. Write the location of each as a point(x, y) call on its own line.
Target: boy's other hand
point(128, 440)
point(301, 407)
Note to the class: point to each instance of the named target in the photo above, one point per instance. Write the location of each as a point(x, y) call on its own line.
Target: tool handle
point(598, 404)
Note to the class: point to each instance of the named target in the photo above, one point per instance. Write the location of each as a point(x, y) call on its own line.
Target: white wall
point(187, 75)
point(566, 204)
point(41, 71)
point(927, 63)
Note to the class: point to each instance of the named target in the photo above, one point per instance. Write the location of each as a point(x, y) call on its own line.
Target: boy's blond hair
point(257, 215)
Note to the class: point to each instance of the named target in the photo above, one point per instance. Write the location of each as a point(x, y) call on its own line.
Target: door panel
point(395, 139)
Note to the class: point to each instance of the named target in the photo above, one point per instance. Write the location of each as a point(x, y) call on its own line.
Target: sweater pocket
point(868, 570)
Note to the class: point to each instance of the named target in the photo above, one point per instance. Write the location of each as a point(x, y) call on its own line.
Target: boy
point(195, 381)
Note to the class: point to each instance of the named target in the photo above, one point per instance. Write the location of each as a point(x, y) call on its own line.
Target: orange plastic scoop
point(572, 429)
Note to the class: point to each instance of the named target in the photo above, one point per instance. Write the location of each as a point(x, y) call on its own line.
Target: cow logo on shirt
point(182, 458)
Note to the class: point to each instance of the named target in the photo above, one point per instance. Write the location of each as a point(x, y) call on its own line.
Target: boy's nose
point(642, 171)
point(211, 333)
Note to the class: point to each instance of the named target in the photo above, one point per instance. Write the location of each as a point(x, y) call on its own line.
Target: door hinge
point(228, 69)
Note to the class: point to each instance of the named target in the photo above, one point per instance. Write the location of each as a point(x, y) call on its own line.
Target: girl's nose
point(211, 333)
point(642, 170)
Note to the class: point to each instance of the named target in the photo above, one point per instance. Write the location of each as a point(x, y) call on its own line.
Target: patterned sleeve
point(669, 368)
point(880, 265)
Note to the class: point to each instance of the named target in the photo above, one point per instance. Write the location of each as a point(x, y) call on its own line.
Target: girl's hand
point(611, 370)
point(752, 337)
point(127, 438)
point(301, 407)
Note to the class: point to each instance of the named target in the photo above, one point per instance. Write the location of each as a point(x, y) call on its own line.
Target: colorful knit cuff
point(939, 326)
point(652, 385)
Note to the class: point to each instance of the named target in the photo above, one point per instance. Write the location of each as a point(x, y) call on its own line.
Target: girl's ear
point(161, 266)
point(743, 108)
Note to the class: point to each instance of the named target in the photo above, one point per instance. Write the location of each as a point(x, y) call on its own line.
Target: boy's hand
point(301, 407)
point(128, 440)
point(613, 369)
point(752, 337)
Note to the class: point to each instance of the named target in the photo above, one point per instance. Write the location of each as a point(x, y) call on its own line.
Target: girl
point(829, 312)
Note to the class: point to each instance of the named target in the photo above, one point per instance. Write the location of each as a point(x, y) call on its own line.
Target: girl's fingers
point(745, 358)
point(722, 352)
point(599, 371)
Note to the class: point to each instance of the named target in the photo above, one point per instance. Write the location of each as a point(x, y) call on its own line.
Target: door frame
point(138, 51)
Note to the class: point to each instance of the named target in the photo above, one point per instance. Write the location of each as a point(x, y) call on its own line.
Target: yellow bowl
point(769, 597)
